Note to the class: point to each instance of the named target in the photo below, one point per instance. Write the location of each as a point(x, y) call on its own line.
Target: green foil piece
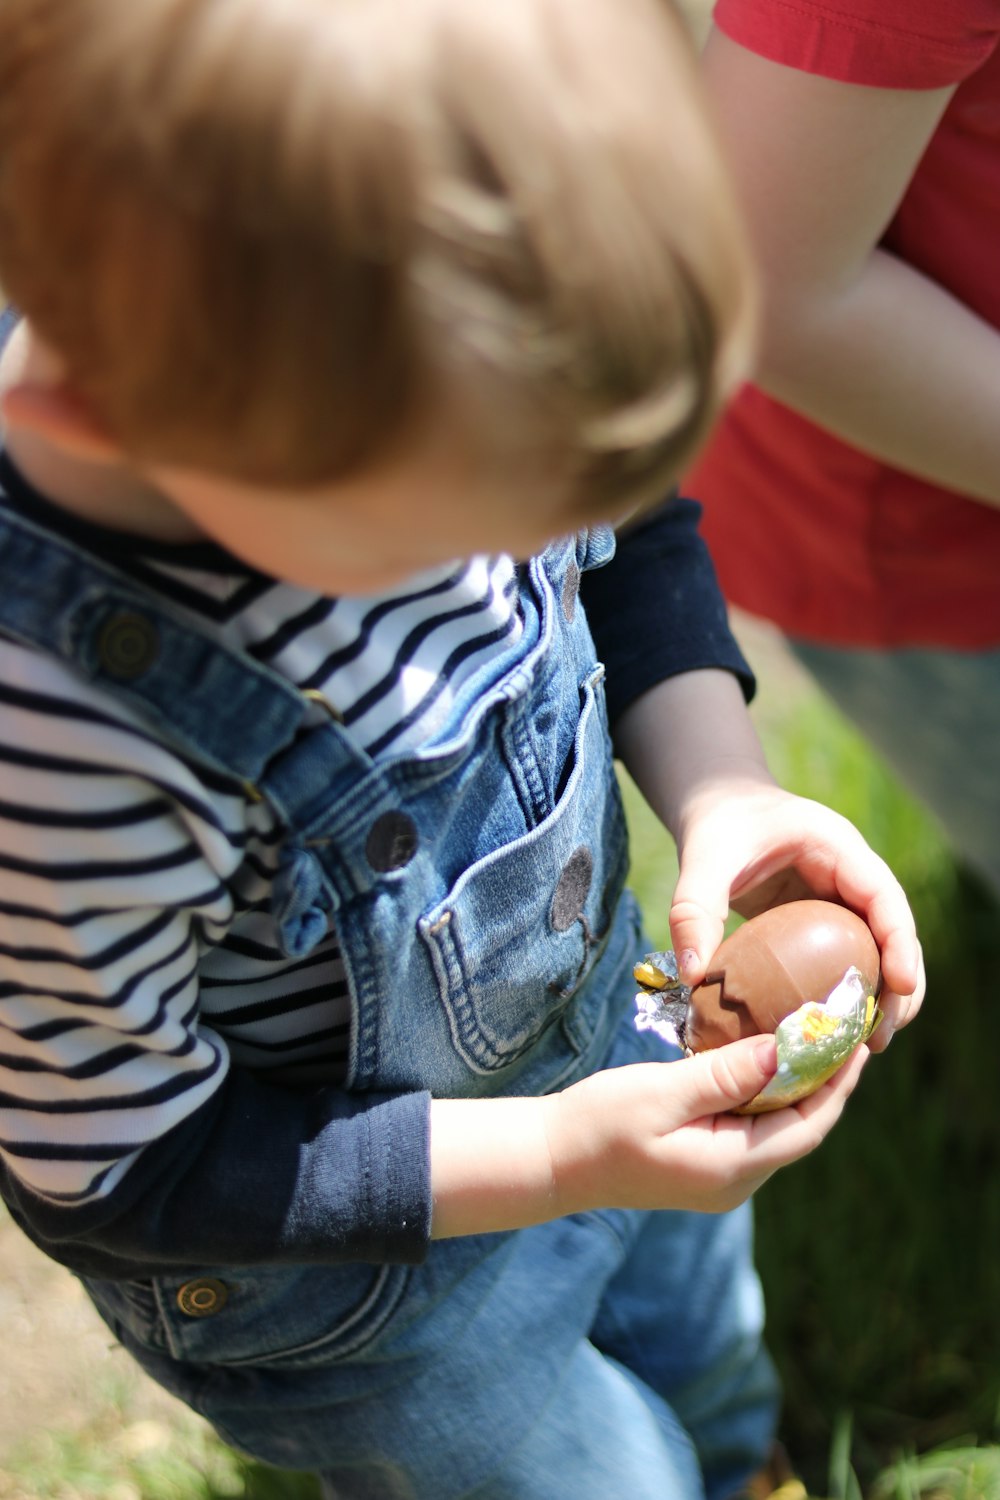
point(815, 1040)
point(812, 1042)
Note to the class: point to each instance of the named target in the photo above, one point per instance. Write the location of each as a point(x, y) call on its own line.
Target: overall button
point(200, 1299)
point(392, 842)
point(572, 889)
point(571, 587)
point(128, 645)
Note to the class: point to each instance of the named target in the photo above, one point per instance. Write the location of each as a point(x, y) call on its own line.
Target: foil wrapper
point(662, 1009)
point(813, 1041)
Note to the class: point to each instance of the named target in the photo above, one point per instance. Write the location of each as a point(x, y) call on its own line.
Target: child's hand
point(657, 1135)
point(750, 846)
point(651, 1135)
point(745, 844)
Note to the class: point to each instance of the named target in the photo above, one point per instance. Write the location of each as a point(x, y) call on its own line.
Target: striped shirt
point(138, 956)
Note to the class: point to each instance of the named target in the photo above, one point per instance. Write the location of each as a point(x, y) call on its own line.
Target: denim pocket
point(293, 1317)
point(517, 935)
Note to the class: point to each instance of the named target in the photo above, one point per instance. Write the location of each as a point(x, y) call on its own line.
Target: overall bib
point(477, 888)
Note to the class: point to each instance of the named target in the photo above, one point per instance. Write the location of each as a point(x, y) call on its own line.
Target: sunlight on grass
point(115, 1459)
point(947, 1474)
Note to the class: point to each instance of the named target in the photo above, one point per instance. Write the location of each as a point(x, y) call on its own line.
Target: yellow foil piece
point(648, 974)
point(817, 1023)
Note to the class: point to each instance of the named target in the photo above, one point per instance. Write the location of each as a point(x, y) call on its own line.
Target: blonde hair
point(264, 234)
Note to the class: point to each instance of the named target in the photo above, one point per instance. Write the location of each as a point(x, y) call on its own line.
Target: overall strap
point(204, 698)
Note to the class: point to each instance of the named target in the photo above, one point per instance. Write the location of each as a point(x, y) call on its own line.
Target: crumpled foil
point(664, 1010)
point(812, 1042)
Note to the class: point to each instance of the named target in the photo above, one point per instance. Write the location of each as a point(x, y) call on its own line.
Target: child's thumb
point(715, 1081)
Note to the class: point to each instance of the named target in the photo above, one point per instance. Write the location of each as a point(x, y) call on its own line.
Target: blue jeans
point(608, 1354)
point(476, 886)
point(935, 716)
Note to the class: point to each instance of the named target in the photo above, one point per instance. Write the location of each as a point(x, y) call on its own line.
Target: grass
point(130, 1449)
point(878, 1254)
point(113, 1458)
point(959, 1473)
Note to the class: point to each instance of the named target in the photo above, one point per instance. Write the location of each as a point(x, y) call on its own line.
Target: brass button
point(128, 644)
point(200, 1299)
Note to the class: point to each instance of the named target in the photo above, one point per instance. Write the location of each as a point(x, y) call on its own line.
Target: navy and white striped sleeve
point(127, 1139)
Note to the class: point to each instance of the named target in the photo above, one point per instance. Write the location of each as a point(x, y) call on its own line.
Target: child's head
point(279, 240)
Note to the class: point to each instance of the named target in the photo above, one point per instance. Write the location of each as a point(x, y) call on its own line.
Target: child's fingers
point(902, 961)
point(898, 1010)
point(717, 1081)
point(788, 1134)
point(695, 931)
point(868, 886)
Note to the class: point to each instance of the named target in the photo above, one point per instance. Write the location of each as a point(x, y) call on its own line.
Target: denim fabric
point(935, 716)
point(605, 1354)
point(477, 890)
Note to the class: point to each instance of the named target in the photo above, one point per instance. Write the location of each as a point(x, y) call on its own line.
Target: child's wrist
point(572, 1124)
point(717, 780)
point(490, 1166)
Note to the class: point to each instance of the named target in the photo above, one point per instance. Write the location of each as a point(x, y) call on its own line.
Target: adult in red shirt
point(853, 494)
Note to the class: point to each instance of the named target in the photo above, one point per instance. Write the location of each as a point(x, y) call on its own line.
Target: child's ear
point(59, 416)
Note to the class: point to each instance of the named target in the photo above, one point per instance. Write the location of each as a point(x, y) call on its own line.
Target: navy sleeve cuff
point(656, 609)
point(260, 1176)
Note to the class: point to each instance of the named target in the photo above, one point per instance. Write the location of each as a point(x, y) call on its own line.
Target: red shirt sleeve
point(903, 44)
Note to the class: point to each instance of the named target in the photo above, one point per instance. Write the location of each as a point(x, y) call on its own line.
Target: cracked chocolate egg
point(774, 963)
point(807, 971)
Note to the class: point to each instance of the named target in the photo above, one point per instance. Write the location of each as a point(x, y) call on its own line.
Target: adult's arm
point(854, 338)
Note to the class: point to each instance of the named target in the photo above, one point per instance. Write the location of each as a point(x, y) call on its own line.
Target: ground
point(59, 1360)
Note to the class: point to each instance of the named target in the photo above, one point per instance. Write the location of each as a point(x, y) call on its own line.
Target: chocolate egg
point(774, 963)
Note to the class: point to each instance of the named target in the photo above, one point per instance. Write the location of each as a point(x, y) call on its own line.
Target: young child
point(317, 1059)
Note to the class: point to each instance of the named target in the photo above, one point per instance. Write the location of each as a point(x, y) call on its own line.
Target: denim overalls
point(477, 890)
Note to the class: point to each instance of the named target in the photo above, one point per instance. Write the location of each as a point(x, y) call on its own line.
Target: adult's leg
point(935, 716)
